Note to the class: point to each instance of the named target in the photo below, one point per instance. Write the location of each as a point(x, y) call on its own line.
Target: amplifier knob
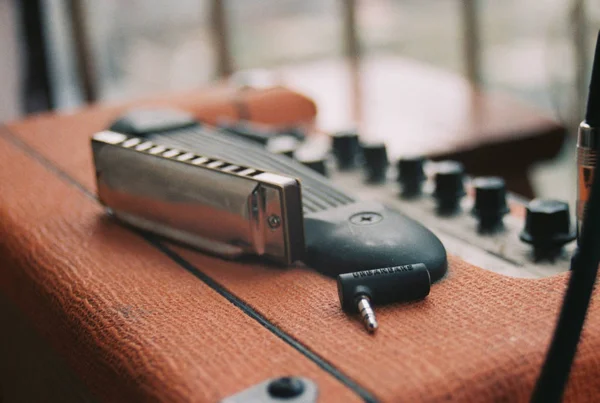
point(547, 227)
point(376, 161)
point(346, 149)
point(449, 186)
point(490, 202)
point(411, 175)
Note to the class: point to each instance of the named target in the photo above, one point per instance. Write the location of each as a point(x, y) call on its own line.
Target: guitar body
point(135, 318)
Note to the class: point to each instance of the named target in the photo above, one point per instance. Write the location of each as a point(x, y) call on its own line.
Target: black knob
point(286, 387)
point(449, 186)
point(315, 160)
point(346, 149)
point(376, 161)
point(283, 144)
point(547, 227)
point(411, 175)
point(490, 202)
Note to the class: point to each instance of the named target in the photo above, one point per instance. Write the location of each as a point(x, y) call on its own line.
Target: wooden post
point(220, 36)
point(471, 42)
point(83, 51)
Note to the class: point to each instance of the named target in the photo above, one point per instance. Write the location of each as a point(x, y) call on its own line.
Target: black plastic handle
point(367, 235)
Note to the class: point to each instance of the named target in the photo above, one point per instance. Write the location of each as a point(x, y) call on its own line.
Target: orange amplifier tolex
point(134, 317)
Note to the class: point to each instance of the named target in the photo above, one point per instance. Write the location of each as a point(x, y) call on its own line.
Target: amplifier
point(136, 317)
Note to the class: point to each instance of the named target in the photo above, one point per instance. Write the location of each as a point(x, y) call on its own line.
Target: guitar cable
point(555, 371)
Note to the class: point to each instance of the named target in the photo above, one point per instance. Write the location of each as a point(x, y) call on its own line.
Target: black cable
point(584, 269)
point(592, 113)
point(555, 371)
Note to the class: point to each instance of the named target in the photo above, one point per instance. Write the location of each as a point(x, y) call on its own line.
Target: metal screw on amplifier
point(287, 388)
point(274, 221)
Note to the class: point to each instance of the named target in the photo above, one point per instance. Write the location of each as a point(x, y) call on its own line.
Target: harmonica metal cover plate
point(208, 203)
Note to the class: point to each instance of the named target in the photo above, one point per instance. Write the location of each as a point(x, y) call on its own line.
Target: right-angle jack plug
point(360, 291)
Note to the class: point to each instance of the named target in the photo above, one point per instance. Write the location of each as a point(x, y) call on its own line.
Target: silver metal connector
point(367, 314)
point(588, 139)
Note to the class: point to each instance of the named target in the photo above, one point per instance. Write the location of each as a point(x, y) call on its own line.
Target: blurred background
point(60, 54)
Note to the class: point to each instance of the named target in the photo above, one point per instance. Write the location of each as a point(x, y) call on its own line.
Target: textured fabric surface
point(85, 282)
point(132, 322)
point(137, 326)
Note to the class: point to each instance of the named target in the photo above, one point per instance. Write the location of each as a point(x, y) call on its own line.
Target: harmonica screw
point(274, 221)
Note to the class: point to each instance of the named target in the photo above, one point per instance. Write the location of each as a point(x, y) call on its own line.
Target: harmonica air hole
point(171, 153)
point(131, 142)
point(215, 164)
point(186, 157)
point(247, 172)
point(200, 160)
point(253, 174)
point(231, 168)
point(157, 150)
point(144, 146)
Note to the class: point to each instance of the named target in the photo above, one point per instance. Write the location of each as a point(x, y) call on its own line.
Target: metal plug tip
point(367, 314)
point(371, 325)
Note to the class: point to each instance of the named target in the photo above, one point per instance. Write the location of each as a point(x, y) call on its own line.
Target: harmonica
point(224, 208)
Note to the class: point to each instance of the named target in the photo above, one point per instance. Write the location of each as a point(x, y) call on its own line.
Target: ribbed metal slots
point(152, 148)
point(317, 193)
